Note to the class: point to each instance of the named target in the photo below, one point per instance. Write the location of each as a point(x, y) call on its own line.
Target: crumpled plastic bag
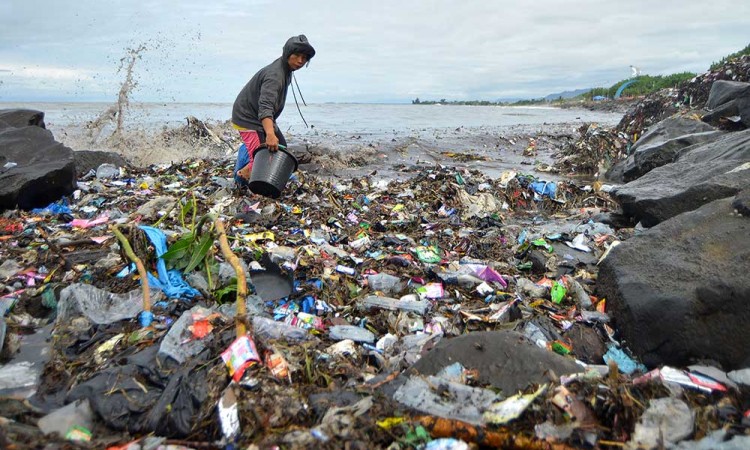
point(479, 205)
point(99, 306)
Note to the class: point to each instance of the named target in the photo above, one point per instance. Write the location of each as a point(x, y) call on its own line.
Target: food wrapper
point(239, 356)
point(277, 365)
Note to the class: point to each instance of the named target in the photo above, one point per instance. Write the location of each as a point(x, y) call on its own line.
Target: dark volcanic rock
point(44, 170)
point(724, 91)
point(613, 219)
point(661, 145)
point(679, 292)
point(741, 203)
point(87, 160)
point(729, 99)
point(707, 172)
point(18, 118)
point(505, 359)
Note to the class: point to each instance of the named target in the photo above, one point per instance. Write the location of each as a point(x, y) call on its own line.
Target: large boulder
point(679, 292)
point(661, 145)
point(507, 360)
point(741, 203)
point(18, 118)
point(705, 173)
point(35, 170)
point(724, 91)
point(729, 101)
point(87, 160)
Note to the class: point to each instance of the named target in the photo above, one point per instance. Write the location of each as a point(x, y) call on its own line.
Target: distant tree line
point(644, 85)
point(443, 101)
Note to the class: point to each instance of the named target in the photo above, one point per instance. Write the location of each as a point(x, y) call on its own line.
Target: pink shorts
point(252, 141)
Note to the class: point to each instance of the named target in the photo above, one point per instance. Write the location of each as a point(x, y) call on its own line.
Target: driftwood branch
point(138, 264)
point(232, 259)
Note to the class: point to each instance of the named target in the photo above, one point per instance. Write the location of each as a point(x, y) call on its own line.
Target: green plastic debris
point(428, 254)
point(543, 244)
point(459, 179)
point(48, 298)
point(558, 292)
point(417, 436)
point(524, 266)
point(78, 433)
point(560, 348)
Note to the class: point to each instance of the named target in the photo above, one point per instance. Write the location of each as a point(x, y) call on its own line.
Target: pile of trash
point(650, 111)
point(695, 92)
point(594, 151)
point(445, 311)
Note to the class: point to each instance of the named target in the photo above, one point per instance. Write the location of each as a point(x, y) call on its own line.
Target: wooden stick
point(241, 280)
point(138, 264)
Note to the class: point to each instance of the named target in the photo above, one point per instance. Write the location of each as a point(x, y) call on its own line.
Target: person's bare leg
point(245, 171)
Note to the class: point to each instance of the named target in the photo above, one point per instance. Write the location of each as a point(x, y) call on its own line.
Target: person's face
point(296, 61)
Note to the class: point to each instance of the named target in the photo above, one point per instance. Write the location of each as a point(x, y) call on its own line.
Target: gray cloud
point(367, 51)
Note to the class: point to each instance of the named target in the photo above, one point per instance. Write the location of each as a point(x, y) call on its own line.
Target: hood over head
point(298, 44)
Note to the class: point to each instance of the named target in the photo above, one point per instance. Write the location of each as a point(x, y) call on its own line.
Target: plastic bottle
point(405, 304)
point(357, 334)
point(528, 287)
point(385, 283)
point(581, 296)
point(270, 329)
point(344, 269)
point(107, 171)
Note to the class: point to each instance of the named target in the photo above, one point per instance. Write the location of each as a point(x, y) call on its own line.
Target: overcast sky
point(367, 51)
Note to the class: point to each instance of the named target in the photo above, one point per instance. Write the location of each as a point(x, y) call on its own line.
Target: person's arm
point(269, 93)
point(272, 141)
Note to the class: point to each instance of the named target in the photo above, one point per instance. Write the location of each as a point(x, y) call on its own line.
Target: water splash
point(122, 128)
point(116, 113)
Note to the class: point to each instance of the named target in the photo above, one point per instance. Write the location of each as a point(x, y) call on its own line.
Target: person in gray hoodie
point(261, 101)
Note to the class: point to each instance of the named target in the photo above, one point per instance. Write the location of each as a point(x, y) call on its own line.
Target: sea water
point(340, 118)
point(152, 133)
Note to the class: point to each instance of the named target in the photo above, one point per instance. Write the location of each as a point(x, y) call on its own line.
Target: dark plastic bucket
point(271, 171)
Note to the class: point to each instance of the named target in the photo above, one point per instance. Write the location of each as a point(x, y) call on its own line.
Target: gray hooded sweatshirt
point(265, 94)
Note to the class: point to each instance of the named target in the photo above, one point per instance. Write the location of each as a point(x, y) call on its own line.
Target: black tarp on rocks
point(35, 170)
point(679, 292)
point(707, 172)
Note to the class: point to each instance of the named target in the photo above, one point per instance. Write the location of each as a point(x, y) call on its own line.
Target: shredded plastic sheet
point(624, 363)
point(59, 207)
point(511, 408)
point(463, 402)
point(179, 343)
point(170, 282)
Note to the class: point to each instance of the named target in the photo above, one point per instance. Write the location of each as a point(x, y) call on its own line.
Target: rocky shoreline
point(394, 302)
